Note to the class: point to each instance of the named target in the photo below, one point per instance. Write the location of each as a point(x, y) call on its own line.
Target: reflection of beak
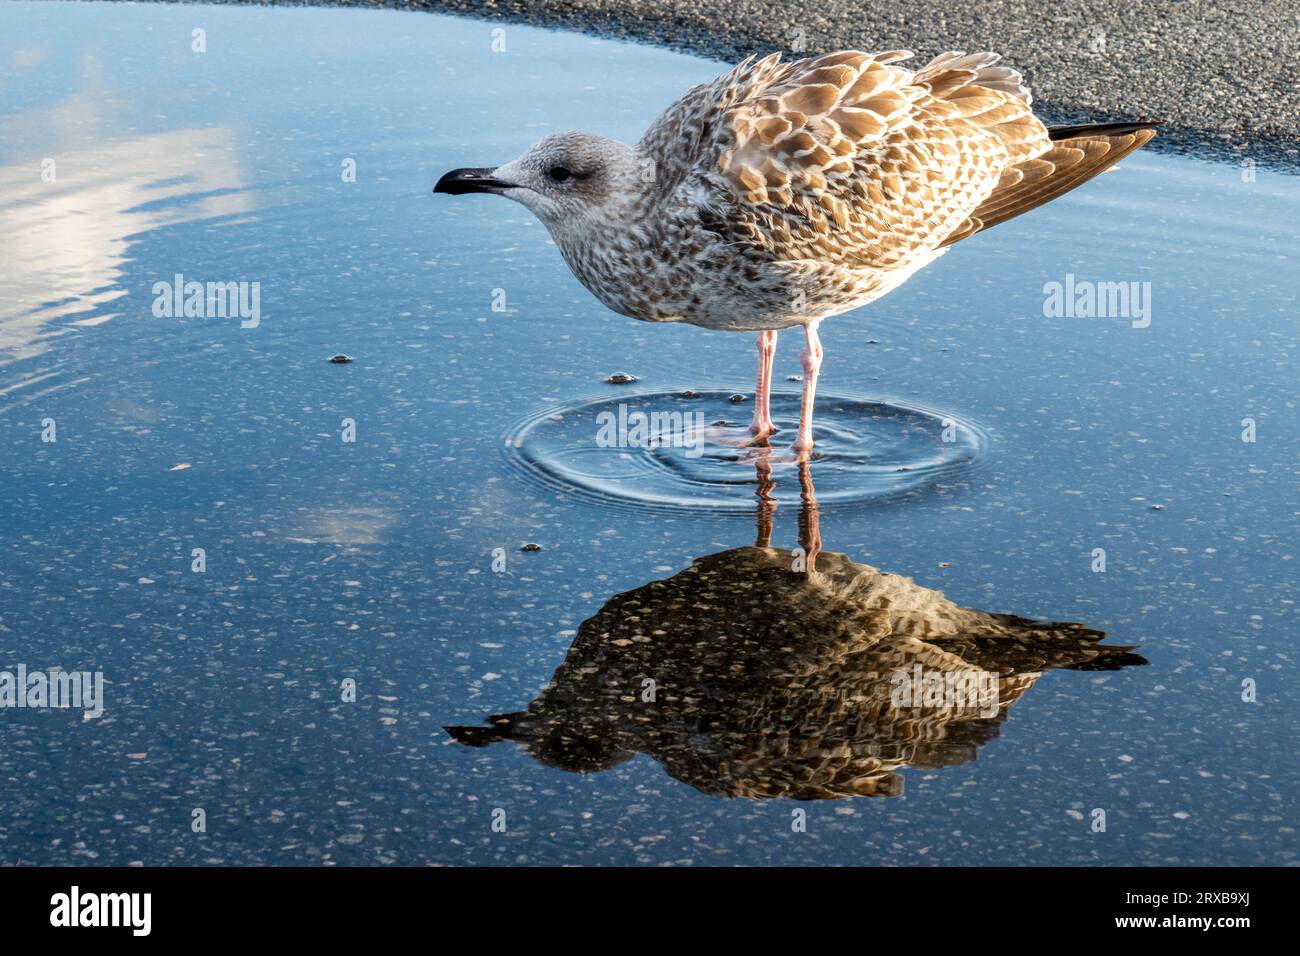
point(460, 181)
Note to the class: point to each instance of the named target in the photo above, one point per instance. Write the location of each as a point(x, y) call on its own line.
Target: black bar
point(233, 905)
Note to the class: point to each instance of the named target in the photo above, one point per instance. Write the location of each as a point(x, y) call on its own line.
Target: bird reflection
point(762, 672)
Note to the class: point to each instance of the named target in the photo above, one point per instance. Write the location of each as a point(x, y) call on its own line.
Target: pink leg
point(762, 426)
point(812, 363)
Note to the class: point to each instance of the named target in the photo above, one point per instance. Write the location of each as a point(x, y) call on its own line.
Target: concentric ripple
point(691, 451)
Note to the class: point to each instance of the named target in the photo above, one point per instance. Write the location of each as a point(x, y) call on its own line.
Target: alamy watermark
point(55, 688)
point(653, 429)
point(971, 689)
point(208, 300)
point(1082, 299)
point(75, 908)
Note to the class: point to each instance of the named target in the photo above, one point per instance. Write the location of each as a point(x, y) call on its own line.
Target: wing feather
point(848, 157)
point(853, 159)
point(1069, 163)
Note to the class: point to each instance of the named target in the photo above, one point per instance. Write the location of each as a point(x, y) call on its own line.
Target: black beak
point(461, 181)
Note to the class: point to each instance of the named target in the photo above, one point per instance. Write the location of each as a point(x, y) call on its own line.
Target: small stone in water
point(720, 423)
point(530, 546)
point(794, 378)
point(621, 378)
point(737, 399)
point(341, 359)
point(689, 393)
point(1157, 507)
point(872, 342)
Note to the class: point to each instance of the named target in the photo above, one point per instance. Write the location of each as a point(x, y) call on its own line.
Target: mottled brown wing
point(689, 131)
point(849, 158)
point(1070, 162)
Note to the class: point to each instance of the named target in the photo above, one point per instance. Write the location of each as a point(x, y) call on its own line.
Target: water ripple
point(688, 452)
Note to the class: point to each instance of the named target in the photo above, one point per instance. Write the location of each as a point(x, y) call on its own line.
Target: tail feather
point(1077, 154)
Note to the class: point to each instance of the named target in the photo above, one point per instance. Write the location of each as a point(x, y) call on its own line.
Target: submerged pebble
point(340, 359)
point(620, 378)
point(530, 546)
point(737, 399)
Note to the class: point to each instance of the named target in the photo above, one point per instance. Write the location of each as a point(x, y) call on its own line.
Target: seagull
point(783, 193)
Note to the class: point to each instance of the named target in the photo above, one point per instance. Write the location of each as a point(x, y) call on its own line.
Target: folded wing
point(1077, 154)
point(847, 157)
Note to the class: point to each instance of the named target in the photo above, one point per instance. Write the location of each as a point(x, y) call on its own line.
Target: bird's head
point(571, 181)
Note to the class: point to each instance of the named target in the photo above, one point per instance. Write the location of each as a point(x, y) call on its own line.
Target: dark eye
point(559, 174)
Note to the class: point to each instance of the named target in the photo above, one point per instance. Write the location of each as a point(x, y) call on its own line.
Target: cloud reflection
point(65, 244)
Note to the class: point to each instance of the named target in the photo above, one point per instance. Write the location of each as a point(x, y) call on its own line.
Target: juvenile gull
point(783, 193)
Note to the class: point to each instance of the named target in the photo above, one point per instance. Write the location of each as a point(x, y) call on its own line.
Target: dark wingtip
point(1057, 133)
point(1112, 657)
